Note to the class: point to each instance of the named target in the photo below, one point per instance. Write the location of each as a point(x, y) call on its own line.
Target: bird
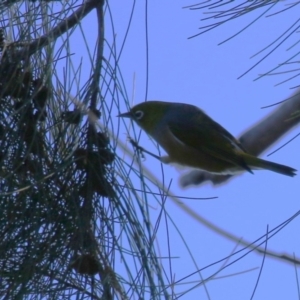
point(191, 138)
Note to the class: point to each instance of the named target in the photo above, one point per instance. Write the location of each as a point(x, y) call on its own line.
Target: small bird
point(191, 138)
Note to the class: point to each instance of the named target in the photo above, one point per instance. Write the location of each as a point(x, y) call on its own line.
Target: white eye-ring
point(138, 114)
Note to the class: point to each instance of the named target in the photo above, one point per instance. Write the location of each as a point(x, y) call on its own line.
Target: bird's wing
point(209, 138)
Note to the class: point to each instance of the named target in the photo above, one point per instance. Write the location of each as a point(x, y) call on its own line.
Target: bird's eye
point(138, 114)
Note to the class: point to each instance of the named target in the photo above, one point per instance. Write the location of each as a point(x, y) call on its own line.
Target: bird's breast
point(185, 155)
point(178, 152)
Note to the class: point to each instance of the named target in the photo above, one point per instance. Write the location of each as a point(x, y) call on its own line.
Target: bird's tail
point(258, 163)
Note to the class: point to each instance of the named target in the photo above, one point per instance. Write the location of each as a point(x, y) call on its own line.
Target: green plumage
point(192, 138)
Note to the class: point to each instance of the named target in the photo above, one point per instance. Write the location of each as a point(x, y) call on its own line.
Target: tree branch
point(59, 30)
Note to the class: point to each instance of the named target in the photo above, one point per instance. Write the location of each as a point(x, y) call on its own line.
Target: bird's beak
point(125, 115)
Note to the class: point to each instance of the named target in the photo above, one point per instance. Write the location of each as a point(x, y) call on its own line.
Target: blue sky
point(199, 72)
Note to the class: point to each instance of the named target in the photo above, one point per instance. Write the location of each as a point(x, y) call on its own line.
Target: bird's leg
point(142, 150)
